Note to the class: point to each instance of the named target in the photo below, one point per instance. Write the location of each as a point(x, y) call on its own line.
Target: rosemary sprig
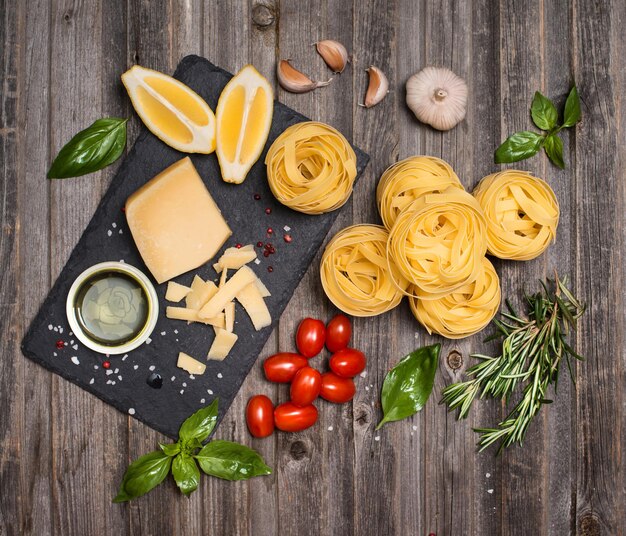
point(532, 350)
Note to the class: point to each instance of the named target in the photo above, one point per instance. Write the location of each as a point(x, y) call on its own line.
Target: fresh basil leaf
point(186, 473)
point(572, 109)
point(94, 148)
point(170, 449)
point(231, 461)
point(554, 150)
point(543, 112)
point(143, 474)
point(519, 146)
point(200, 424)
point(408, 385)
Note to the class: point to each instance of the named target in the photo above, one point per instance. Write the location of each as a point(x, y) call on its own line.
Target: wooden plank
point(599, 221)
point(377, 454)
point(448, 451)
point(521, 68)
point(11, 418)
point(226, 30)
point(164, 510)
point(300, 456)
point(114, 103)
point(75, 50)
point(263, 515)
point(559, 421)
point(32, 383)
point(484, 121)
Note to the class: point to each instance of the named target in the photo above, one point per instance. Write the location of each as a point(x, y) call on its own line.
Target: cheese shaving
point(438, 242)
point(242, 277)
point(191, 315)
point(311, 168)
point(254, 304)
point(222, 344)
point(234, 258)
point(355, 273)
point(409, 179)
point(176, 292)
point(465, 311)
point(522, 214)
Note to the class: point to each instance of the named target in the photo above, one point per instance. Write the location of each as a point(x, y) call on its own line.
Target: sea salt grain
point(150, 368)
point(50, 327)
point(219, 375)
point(91, 381)
point(75, 360)
point(109, 372)
point(414, 427)
point(54, 354)
point(119, 378)
point(116, 371)
point(162, 333)
point(487, 475)
point(135, 367)
point(330, 428)
point(131, 411)
point(148, 340)
point(209, 391)
point(114, 225)
point(202, 401)
point(175, 331)
point(184, 384)
point(377, 438)
point(109, 232)
point(60, 329)
point(182, 391)
point(75, 346)
point(363, 374)
point(257, 261)
point(56, 329)
point(286, 228)
point(489, 491)
point(124, 358)
point(172, 378)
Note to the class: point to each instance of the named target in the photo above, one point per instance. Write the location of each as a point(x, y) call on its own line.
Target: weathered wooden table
point(63, 452)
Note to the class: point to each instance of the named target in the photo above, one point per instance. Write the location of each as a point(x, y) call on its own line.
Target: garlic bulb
point(293, 80)
point(334, 54)
point(437, 97)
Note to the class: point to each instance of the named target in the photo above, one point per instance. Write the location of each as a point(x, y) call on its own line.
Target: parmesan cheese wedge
point(229, 313)
point(222, 344)
point(176, 291)
point(191, 365)
point(241, 279)
point(191, 315)
point(255, 306)
point(235, 258)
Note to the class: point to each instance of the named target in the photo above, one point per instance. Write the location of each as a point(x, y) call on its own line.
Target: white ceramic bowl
point(153, 307)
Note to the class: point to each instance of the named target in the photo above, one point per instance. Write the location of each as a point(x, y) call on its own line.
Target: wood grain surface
point(63, 452)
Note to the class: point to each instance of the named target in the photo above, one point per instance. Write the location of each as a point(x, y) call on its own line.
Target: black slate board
point(107, 238)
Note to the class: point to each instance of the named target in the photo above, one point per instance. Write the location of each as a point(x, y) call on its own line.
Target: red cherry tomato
point(338, 332)
point(310, 337)
point(337, 389)
point(260, 416)
point(305, 386)
point(281, 368)
point(347, 363)
point(291, 418)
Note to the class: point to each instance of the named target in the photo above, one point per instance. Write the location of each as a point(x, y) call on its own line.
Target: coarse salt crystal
point(182, 391)
point(487, 475)
point(148, 340)
point(162, 333)
point(124, 358)
point(192, 377)
point(75, 346)
point(363, 374)
point(219, 375)
point(175, 331)
point(209, 391)
point(50, 327)
point(330, 428)
point(131, 411)
point(257, 261)
point(184, 384)
point(377, 438)
point(202, 401)
point(119, 378)
point(109, 232)
point(60, 329)
point(135, 367)
point(114, 225)
point(150, 368)
point(54, 354)
point(75, 360)
point(286, 228)
point(172, 378)
point(116, 371)
point(489, 491)
point(91, 381)
point(109, 372)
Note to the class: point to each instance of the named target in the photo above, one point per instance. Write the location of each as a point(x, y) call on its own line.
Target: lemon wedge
point(244, 116)
point(172, 111)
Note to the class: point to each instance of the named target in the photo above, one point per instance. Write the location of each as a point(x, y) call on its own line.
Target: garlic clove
point(293, 80)
point(334, 54)
point(377, 89)
point(437, 97)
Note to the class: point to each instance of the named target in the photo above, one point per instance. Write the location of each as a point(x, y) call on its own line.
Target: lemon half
point(244, 117)
point(172, 111)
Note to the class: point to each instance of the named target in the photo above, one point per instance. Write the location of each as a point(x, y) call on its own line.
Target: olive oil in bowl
point(112, 308)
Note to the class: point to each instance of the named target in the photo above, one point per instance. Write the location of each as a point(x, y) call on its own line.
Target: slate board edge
point(186, 63)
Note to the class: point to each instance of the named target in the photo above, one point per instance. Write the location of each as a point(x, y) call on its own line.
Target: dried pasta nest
point(407, 180)
point(355, 273)
point(465, 311)
point(522, 214)
point(311, 168)
point(439, 241)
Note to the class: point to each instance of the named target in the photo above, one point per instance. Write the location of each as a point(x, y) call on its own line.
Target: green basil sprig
point(92, 149)
point(408, 385)
point(525, 144)
point(223, 459)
